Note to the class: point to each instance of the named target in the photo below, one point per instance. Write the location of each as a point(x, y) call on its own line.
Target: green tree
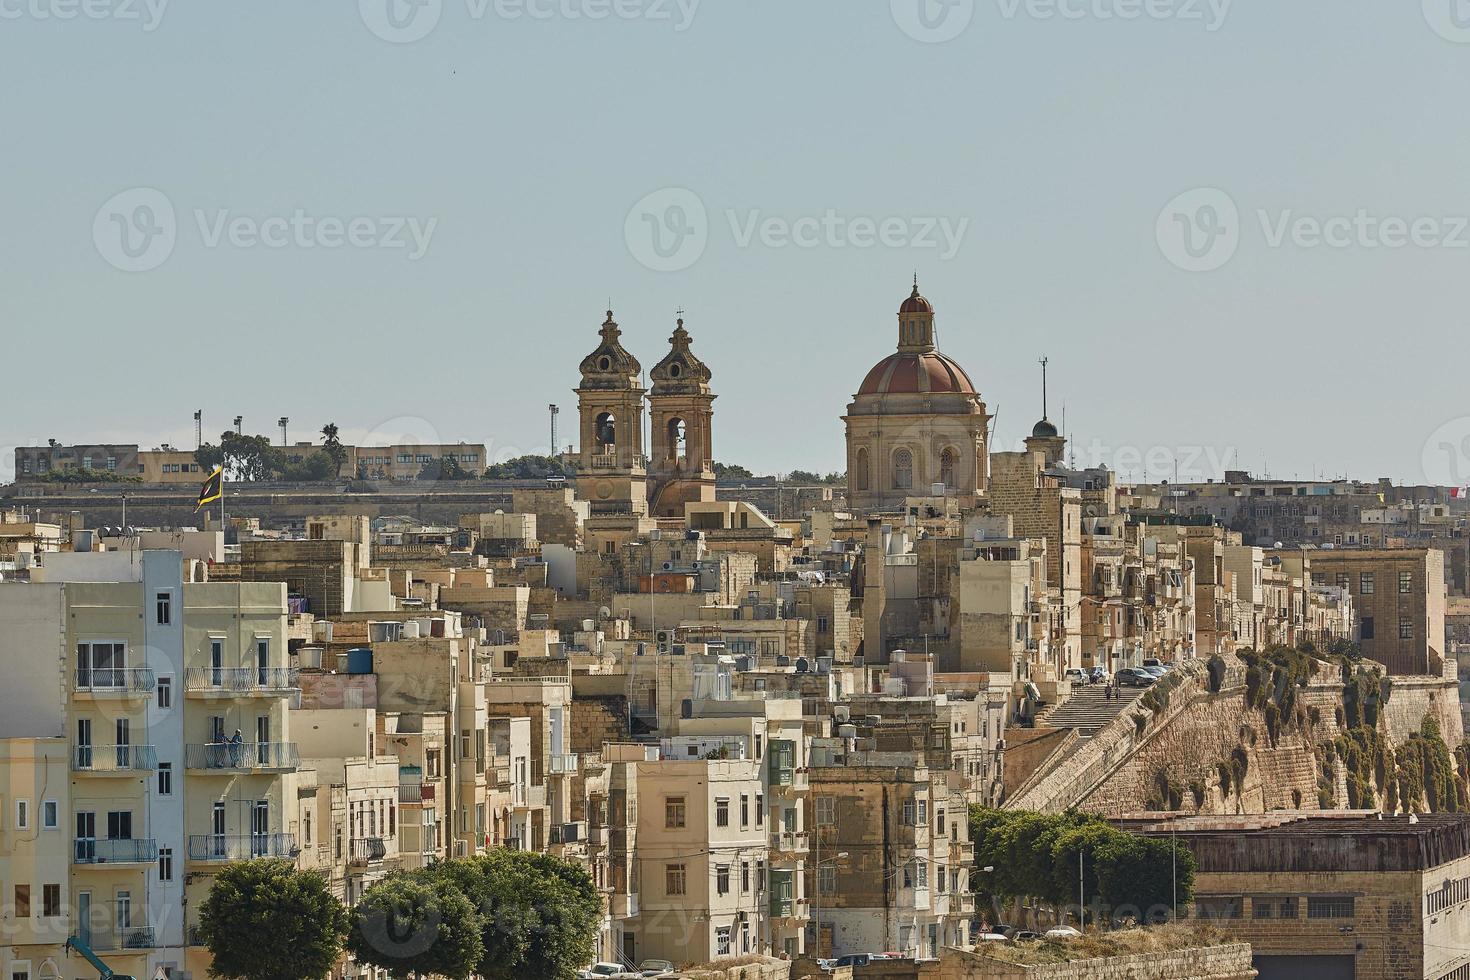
point(527, 468)
point(541, 914)
point(412, 924)
point(332, 447)
point(265, 920)
point(731, 471)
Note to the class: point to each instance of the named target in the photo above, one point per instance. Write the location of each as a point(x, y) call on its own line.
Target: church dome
point(906, 373)
point(1044, 430)
point(916, 303)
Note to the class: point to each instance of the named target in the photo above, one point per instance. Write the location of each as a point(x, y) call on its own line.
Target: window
point(1274, 907)
point(744, 877)
point(1406, 628)
point(165, 864)
point(1406, 582)
point(923, 817)
point(903, 470)
point(673, 879)
point(826, 811)
point(1324, 907)
point(1365, 583)
point(827, 879)
point(722, 941)
point(165, 691)
point(22, 814)
point(674, 813)
point(722, 879)
point(922, 874)
point(760, 809)
point(909, 812)
point(1218, 906)
point(744, 810)
point(908, 876)
point(22, 901)
point(50, 901)
point(50, 815)
point(722, 811)
point(1365, 632)
point(165, 779)
point(163, 607)
point(1342, 580)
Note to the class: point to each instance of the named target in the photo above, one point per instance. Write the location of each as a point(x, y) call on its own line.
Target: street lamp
point(817, 911)
point(283, 421)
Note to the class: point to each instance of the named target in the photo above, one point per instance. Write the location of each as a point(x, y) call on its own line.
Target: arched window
point(946, 468)
point(607, 432)
point(860, 470)
point(677, 446)
point(903, 470)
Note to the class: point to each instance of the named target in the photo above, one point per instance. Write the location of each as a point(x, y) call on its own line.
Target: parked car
point(1022, 935)
point(1099, 675)
point(1003, 929)
point(991, 937)
point(1135, 677)
point(854, 959)
point(600, 971)
point(1159, 672)
point(1077, 675)
point(826, 965)
point(1063, 932)
point(1152, 662)
point(655, 968)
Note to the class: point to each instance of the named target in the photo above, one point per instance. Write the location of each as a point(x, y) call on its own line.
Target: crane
point(73, 942)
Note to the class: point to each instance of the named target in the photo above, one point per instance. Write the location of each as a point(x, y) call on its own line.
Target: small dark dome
point(1044, 430)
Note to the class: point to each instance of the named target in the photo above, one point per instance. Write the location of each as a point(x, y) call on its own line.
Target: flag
point(213, 487)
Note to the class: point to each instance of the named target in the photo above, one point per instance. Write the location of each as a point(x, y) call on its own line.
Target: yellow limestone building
point(145, 741)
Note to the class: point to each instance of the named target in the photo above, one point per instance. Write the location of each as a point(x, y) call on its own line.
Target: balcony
point(121, 682)
point(561, 765)
point(132, 850)
point(363, 851)
point(113, 759)
point(237, 757)
point(788, 844)
point(789, 908)
point(240, 682)
point(787, 781)
point(113, 940)
point(623, 905)
point(240, 847)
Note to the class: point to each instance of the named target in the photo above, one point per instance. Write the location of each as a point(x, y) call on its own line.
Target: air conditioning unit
point(664, 640)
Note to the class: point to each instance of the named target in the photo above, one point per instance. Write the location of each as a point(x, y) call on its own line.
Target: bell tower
point(611, 471)
point(681, 466)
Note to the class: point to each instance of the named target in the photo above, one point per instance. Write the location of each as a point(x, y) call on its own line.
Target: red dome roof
point(916, 303)
point(916, 374)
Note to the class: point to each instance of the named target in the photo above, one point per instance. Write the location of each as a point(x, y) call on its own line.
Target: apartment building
point(170, 695)
point(1399, 595)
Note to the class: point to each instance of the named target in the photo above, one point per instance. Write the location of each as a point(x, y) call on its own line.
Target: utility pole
point(554, 413)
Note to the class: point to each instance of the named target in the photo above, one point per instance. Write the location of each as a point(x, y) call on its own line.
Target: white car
point(991, 937)
point(1063, 932)
point(601, 971)
point(1077, 676)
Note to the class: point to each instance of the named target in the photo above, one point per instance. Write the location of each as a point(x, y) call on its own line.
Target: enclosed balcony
point(788, 845)
point(242, 757)
point(113, 760)
point(366, 850)
point(211, 683)
point(132, 850)
point(240, 847)
point(114, 682)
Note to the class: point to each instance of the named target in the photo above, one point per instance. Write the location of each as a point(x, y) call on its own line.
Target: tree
point(264, 919)
point(541, 914)
point(332, 447)
point(527, 468)
point(415, 924)
point(732, 471)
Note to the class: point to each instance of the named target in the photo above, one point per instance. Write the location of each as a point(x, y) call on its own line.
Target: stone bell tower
point(681, 466)
point(611, 472)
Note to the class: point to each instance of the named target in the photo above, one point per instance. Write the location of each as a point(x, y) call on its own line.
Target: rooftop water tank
point(360, 660)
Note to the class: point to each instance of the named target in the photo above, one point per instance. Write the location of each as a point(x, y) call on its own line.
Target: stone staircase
point(1087, 708)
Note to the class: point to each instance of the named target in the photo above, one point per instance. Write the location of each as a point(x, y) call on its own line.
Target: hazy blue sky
point(519, 138)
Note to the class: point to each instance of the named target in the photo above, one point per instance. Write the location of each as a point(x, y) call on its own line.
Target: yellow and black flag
point(213, 487)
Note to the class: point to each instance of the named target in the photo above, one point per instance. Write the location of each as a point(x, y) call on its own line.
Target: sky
point(1238, 230)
